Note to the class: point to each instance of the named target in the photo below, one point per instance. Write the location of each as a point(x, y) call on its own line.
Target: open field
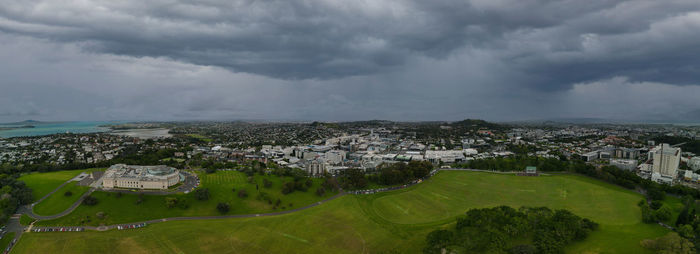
point(43, 183)
point(58, 201)
point(200, 137)
point(122, 209)
point(392, 221)
point(25, 220)
point(5, 241)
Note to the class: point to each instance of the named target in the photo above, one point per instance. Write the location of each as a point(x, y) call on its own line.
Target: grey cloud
point(541, 39)
point(348, 60)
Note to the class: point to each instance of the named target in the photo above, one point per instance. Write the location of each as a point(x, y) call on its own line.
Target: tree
point(670, 243)
point(523, 249)
point(648, 215)
point(90, 201)
point(355, 178)
point(686, 231)
point(288, 187)
point(201, 194)
point(663, 214)
point(223, 208)
point(68, 194)
point(320, 191)
point(437, 241)
point(170, 202)
point(267, 183)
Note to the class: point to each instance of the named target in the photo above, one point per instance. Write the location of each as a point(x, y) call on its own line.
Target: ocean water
point(41, 129)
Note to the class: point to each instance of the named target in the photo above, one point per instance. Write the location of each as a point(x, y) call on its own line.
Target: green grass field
point(220, 184)
point(200, 137)
point(43, 183)
point(25, 220)
point(58, 201)
point(394, 222)
point(6, 239)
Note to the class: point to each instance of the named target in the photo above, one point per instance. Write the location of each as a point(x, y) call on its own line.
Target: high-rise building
point(666, 160)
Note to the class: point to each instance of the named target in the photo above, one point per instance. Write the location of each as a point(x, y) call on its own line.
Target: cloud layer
point(337, 60)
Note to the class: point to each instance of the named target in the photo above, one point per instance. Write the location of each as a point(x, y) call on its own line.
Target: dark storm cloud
point(548, 44)
point(348, 60)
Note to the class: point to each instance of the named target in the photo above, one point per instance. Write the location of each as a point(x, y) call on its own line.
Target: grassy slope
point(5, 241)
point(59, 202)
point(43, 183)
point(124, 209)
point(25, 220)
point(393, 221)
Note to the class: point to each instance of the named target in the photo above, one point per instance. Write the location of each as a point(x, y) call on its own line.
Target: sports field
point(393, 221)
point(124, 208)
point(58, 201)
point(43, 183)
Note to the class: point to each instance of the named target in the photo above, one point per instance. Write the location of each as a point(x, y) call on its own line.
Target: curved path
point(29, 209)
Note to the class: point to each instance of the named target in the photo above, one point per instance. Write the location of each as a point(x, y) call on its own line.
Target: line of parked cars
point(130, 226)
point(62, 229)
point(9, 247)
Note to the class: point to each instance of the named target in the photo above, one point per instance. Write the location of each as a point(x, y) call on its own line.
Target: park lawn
point(453, 193)
point(25, 220)
point(123, 208)
point(6, 239)
point(58, 201)
point(395, 221)
point(200, 137)
point(339, 226)
point(43, 183)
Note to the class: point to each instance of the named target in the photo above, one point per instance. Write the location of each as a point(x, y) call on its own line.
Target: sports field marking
point(563, 193)
point(402, 209)
point(438, 195)
point(294, 237)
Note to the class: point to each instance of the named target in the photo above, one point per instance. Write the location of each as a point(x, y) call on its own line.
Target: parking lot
point(131, 226)
point(58, 229)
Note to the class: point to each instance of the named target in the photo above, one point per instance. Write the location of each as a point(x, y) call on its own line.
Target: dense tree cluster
point(90, 201)
point(654, 212)
point(223, 208)
point(401, 173)
point(354, 178)
point(302, 184)
point(389, 174)
point(517, 163)
point(504, 229)
point(201, 194)
point(671, 243)
point(13, 193)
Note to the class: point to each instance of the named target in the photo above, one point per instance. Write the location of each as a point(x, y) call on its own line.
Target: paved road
point(28, 209)
point(14, 226)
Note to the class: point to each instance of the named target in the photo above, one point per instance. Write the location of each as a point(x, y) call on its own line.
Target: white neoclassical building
point(140, 177)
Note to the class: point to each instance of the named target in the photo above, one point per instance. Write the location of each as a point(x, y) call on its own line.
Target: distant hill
point(25, 123)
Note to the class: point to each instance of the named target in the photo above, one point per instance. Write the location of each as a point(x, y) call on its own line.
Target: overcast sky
point(349, 59)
